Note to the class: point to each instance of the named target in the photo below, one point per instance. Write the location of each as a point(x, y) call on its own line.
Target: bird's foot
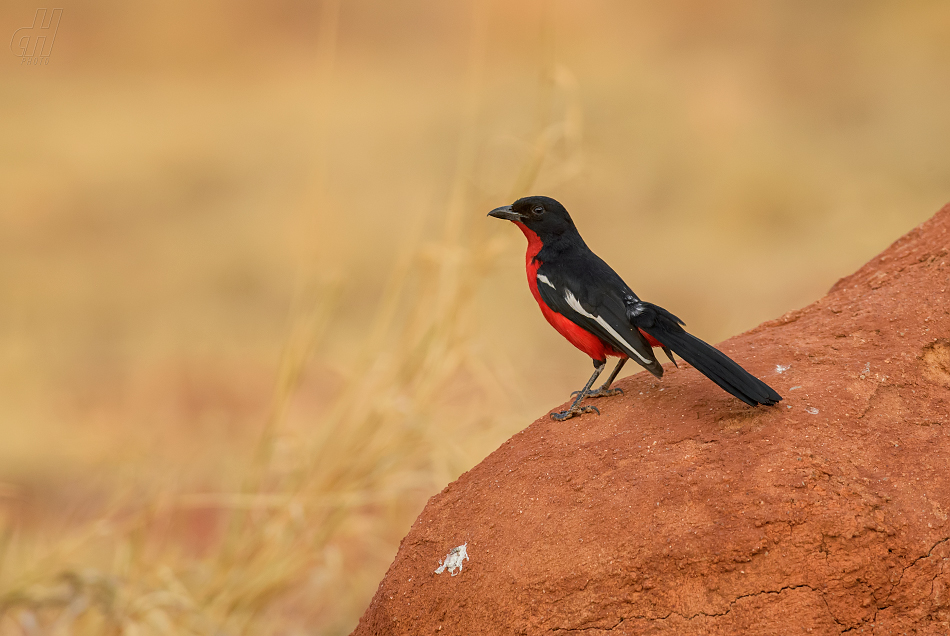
point(571, 412)
point(599, 393)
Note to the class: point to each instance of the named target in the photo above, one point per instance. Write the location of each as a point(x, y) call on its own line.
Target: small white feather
point(544, 279)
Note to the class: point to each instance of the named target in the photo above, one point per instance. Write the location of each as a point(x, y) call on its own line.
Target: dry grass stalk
point(375, 447)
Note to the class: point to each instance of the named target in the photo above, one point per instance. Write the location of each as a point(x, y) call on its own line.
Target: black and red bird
point(591, 306)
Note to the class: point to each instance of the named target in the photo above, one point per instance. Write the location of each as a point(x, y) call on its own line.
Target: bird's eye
point(539, 210)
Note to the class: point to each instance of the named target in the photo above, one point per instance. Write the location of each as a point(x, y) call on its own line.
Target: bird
point(593, 308)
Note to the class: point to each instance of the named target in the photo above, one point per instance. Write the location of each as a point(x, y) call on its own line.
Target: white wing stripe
point(544, 279)
point(576, 306)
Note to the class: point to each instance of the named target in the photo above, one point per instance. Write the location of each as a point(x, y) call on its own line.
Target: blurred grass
point(253, 315)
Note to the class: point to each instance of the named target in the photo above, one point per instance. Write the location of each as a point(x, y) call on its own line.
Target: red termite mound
point(682, 511)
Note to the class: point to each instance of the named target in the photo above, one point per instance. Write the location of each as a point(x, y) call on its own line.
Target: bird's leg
point(574, 408)
point(605, 390)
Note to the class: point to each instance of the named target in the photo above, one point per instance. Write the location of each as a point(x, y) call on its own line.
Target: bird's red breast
point(584, 340)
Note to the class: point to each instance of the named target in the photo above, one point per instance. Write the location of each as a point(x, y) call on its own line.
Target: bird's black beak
point(505, 212)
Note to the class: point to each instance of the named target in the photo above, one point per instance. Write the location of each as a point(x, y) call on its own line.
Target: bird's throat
point(534, 243)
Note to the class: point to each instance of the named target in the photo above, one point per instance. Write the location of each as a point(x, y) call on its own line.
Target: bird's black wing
point(593, 300)
point(708, 360)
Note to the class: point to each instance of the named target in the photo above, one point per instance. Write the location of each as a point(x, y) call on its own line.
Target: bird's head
point(542, 215)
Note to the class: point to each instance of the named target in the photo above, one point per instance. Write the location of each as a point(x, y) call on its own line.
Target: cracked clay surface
point(683, 511)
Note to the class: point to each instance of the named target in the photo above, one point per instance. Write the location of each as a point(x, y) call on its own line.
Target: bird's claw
point(599, 393)
point(577, 410)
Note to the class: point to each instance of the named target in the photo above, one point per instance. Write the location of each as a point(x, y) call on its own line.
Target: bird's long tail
point(714, 364)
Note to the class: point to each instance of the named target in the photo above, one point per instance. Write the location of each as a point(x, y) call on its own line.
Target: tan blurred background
point(252, 313)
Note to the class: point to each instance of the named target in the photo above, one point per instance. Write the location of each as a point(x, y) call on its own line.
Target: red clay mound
point(682, 511)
